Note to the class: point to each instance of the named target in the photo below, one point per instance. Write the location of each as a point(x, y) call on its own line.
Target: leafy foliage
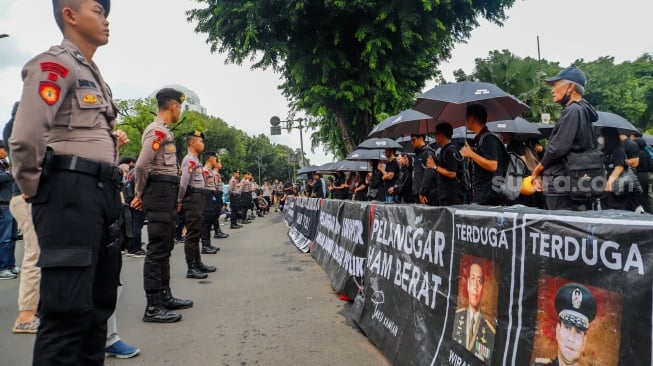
point(344, 63)
point(237, 150)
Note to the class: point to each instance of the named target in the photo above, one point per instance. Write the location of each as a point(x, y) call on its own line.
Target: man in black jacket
point(572, 133)
point(403, 188)
point(422, 152)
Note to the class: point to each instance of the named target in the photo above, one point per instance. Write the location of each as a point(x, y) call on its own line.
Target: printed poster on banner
point(340, 245)
point(305, 219)
point(289, 211)
point(486, 257)
point(589, 290)
point(406, 303)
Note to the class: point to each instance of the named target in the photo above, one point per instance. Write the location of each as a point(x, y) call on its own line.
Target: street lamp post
point(276, 130)
point(259, 161)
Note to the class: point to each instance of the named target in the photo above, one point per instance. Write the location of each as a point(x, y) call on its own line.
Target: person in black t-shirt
point(340, 189)
point(615, 164)
point(319, 190)
point(390, 173)
point(448, 165)
point(643, 172)
point(422, 152)
point(404, 184)
point(484, 156)
point(512, 145)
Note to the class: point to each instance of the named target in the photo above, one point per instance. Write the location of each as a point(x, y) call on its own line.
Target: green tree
point(625, 89)
point(521, 77)
point(343, 62)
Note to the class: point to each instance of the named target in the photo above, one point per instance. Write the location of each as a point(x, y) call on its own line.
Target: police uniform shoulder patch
point(160, 135)
point(55, 68)
point(156, 145)
point(49, 92)
point(89, 99)
point(191, 166)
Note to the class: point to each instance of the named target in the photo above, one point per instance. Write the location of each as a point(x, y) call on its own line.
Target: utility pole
point(275, 129)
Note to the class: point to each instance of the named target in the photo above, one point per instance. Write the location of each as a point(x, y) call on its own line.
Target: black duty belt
point(164, 178)
point(78, 164)
point(234, 194)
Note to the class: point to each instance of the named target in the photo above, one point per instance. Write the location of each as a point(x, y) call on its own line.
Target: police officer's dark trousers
point(72, 215)
point(193, 207)
point(234, 203)
point(160, 201)
point(210, 214)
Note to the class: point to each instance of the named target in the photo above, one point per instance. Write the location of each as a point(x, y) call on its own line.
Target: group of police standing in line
point(65, 149)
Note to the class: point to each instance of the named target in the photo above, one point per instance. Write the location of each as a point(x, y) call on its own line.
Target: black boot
point(195, 273)
point(206, 269)
point(156, 313)
point(219, 234)
point(209, 250)
point(172, 303)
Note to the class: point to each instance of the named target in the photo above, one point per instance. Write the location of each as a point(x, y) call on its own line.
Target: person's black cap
point(571, 73)
point(575, 305)
point(106, 4)
point(192, 134)
point(208, 154)
point(236, 171)
point(169, 93)
point(2, 144)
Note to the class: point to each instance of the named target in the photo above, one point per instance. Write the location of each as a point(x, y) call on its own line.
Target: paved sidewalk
point(268, 304)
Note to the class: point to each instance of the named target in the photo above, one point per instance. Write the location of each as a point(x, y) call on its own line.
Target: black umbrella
point(448, 102)
point(405, 123)
point(378, 143)
point(607, 119)
point(352, 166)
point(545, 128)
point(518, 126)
point(308, 169)
point(361, 154)
point(325, 168)
point(648, 139)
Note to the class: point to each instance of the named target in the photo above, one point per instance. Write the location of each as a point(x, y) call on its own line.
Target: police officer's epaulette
point(55, 50)
point(542, 361)
point(460, 310)
point(489, 325)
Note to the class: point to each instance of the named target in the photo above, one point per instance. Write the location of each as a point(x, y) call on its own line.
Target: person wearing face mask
point(572, 133)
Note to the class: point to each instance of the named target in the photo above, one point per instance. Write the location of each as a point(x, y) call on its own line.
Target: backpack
point(513, 168)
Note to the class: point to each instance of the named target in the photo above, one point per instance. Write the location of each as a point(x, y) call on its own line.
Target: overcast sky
point(152, 45)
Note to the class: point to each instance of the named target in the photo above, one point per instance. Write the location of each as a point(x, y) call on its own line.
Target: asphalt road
point(268, 304)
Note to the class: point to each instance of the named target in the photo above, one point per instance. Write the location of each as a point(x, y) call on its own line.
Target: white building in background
point(192, 102)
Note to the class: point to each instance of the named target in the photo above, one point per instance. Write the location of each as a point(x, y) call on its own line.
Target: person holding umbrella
point(485, 158)
point(449, 162)
point(403, 186)
point(572, 133)
point(422, 153)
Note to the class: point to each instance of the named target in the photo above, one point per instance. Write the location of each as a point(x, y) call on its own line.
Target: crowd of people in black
point(471, 169)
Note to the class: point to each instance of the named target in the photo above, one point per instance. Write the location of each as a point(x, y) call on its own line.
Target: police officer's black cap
point(2, 143)
point(192, 134)
point(208, 154)
point(575, 305)
point(106, 4)
point(236, 171)
point(571, 73)
point(169, 93)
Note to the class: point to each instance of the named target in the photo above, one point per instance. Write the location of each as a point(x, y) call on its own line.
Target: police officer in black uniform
point(576, 309)
point(192, 193)
point(210, 203)
point(64, 151)
point(156, 187)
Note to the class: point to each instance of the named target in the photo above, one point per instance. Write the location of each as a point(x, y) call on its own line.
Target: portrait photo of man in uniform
point(475, 322)
point(571, 323)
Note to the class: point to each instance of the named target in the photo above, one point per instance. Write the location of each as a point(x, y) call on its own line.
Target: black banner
point(289, 211)
point(513, 286)
point(340, 245)
point(306, 213)
point(407, 282)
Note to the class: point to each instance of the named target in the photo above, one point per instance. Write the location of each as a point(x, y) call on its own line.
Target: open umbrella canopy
point(518, 126)
point(448, 102)
point(648, 139)
point(361, 154)
point(607, 119)
point(378, 143)
point(326, 167)
point(352, 166)
point(302, 176)
point(308, 169)
point(545, 128)
point(405, 123)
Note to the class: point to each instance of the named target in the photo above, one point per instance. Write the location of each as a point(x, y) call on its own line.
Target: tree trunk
point(349, 143)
